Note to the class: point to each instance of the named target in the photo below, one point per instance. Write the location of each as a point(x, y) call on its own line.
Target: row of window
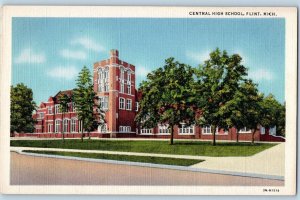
point(125, 129)
point(164, 129)
point(125, 104)
point(67, 125)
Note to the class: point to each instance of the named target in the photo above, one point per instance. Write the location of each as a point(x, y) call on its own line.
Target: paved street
point(30, 170)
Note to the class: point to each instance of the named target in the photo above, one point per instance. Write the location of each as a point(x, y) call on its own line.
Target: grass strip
point(143, 159)
point(197, 148)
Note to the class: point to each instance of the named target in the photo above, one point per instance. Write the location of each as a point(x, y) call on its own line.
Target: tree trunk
point(172, 135)
point(214, 135)
point(62, 132)
point(89, 135)
point(82, 132)
point(237, 135)
point(253, 133)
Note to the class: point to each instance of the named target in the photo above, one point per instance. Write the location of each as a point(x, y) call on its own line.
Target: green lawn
point(199, 148)
point(143, 159)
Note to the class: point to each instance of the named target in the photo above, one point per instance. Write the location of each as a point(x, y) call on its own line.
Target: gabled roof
point(69, 93)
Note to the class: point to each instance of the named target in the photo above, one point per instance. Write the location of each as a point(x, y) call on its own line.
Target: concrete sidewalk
point(267, 162)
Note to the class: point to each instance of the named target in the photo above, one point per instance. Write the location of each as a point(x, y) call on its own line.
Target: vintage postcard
point(148, 100)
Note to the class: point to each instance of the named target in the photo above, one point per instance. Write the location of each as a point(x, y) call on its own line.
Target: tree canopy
point(22, 107)
point(85, 102)
point(218, 80)
point(167, 97)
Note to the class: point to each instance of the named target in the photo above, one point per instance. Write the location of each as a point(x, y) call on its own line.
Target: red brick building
point(114, 84)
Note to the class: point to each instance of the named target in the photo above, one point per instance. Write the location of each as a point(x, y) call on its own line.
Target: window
point(163, 129)
point(129, 89)
point(57, 126)
point(206, 130)
point(122, 74)
point(186, 129)
point(245, 130)
point(122, 103)
point(50, 110)
point(41, 115)
point(65, 126)
point(128, 77)
point(73, 125)
point(121, 86)
point(262, 130)
point(128, 104)
point(50, 128)
point(272, 130)
point(125, 129)
point(136, 106)
point(103, 103)
point(73, 107)
point(103, 80)
point(106, 88)
point(80, 126)
point(106, 74)
point(102, 128)
point(146, 131)
point(57, 110)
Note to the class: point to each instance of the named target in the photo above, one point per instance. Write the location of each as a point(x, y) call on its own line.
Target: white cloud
point(142, 71)
point(88, 44)
point(197, 56)
point(29, 56)
point(261, 74)
point(66, 72)
point(67, 53)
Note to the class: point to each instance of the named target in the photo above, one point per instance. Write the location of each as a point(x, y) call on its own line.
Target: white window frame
point(124, 129)
point(122, 103)
point(262, 130)
point(73, 107)
point(163, 129)
point(146, 131)
point(80, 127)
point(73, 125)
point(245, 130)
point(128, 76)
point(103, 102)
point(186, 130)
point(206, 130)
point(121, 86)
point(102, 128)
point(41, 115)
point(272, 131)
point(50, 110)
point(137, 106)
point(128, 104)
point(65, 125)
point(57, 126)
point(57, 109)
point(50, 128)
point(128, 89)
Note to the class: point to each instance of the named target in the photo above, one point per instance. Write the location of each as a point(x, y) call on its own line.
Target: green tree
point(64, 101)
point(218, 80)
point(85, 101)
point(273, 114)
point(243, 108)
point(22, 107)
point(167, 97)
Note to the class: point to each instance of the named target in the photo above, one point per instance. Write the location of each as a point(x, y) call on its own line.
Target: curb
point(162, 166)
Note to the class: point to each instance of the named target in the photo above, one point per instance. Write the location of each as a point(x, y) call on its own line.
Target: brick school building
point(114, 84)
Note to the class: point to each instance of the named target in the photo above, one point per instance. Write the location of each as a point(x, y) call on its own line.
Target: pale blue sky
point(48, 53)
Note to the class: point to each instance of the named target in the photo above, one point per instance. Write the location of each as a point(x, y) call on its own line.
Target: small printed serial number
point(270, 190)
